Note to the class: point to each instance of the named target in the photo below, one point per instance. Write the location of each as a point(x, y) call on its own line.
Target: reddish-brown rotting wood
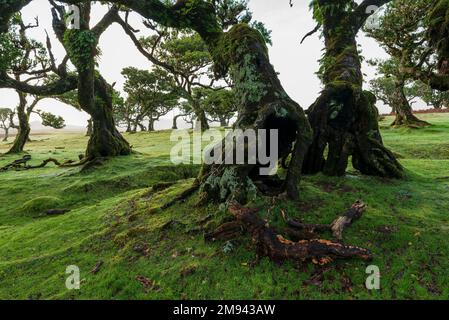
point(278, 248)
point(354, 213)
point(226, 231)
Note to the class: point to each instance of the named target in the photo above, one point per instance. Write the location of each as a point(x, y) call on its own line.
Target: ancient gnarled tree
point(95, 95)
point(344, 117)
point(401, 33)
point(262, 103)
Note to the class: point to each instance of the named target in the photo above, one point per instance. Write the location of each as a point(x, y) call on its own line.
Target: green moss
point(81, 47)
point(113, 220)
point(40, 204)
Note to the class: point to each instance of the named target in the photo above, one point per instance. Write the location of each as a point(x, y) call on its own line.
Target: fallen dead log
point(336, 227)
point(43, 164)
point(354, 213)
point(277, 248)
point(312, 228)
point(21, 164)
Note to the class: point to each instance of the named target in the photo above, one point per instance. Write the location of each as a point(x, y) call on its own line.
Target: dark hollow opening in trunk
point(286, 136)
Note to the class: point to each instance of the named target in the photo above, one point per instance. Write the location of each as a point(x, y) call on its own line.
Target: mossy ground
point(115, 218)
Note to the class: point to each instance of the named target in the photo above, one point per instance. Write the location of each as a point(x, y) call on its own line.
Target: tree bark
point(151, 125)
point(201, 119)
point(23, 129)
point(403, 109)
point(269, 243)
point(106, 140)
point(263, 105)
point(344, 118)
point(89, 128)
point(175, 120)
point(94, 93)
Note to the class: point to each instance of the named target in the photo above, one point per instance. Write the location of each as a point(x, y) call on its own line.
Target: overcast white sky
point(296, 63)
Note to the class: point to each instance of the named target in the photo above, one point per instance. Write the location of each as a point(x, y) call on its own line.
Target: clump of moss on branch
point(81, 46)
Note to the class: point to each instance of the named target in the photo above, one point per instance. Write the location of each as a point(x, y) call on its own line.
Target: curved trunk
point(23, 129)
point(344, 118)
point(263, 104)
point(106, 140)
point(141, 127)
point(175, 121)
point(403, 109)
point(94, 93)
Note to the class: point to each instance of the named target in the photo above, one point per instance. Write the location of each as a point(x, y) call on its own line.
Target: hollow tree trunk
point(344, 118)
point(23, 129)
point(263, 105)
point(403, 109)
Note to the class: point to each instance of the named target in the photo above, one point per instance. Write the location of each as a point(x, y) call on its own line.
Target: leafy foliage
point(151, 94)
point(51, 120)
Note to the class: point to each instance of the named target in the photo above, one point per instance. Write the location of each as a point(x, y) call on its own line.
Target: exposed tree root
point(44, 163)
point(182, 197)
point(312, 228)
point(17, 164)
point(21, 164)
point(410, 123)
point(337, 226)
point(277, 248)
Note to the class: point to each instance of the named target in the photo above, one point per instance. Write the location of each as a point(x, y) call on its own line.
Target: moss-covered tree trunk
point(344, 118)
point(263, 104)
point(23, 128)
point(201, 122)
point(151, 125)
point(94, 93)
point(105, 140)
point(403, 109)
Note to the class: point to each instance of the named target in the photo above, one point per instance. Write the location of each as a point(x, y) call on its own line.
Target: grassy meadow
point(127, 247)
